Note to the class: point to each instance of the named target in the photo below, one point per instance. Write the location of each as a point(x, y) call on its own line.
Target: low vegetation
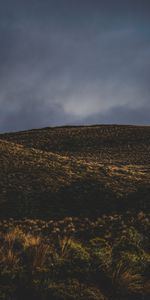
point(75, 213)
point(74, 258)
point(105, 143)
point(80, 171)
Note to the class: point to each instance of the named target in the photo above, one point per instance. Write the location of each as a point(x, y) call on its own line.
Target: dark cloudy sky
point(74, 62)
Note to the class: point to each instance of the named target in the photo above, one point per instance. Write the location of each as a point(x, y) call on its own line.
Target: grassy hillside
point(56, 172)
point(75, 213)
point(106, 143)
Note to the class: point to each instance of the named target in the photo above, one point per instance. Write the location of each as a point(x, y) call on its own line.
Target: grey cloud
point(79, 63)
point(121, 115)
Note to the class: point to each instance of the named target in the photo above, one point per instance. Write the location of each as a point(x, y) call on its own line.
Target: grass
point(41, 262)
point(74, 171)
point(75, 213)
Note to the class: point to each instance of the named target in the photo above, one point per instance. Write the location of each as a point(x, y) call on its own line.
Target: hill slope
point(107, 143)
point(54, 172)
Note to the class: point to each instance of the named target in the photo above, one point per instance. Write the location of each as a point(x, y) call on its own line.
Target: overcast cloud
point(74, 62)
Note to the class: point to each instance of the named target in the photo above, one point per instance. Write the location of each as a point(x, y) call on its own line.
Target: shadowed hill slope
point(55, 172)
point(107, 143)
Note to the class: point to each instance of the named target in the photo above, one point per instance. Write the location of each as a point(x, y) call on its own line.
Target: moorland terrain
point(75, 213)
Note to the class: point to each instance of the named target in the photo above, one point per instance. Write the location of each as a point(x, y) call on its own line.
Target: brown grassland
point(75, 213)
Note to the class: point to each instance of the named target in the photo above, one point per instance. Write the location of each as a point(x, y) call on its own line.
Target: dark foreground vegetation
point(75, 214)
point(74, 258)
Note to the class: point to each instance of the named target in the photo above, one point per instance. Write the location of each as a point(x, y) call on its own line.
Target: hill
point(107, 143)
point(75, 213)
point(54, 172)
